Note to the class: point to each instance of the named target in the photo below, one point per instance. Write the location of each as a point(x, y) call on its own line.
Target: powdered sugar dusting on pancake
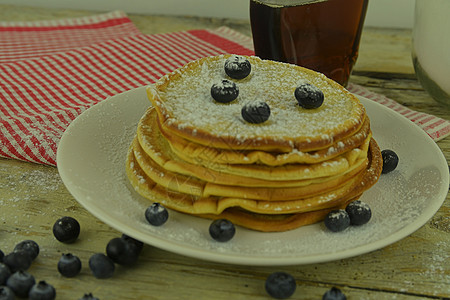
point(189, 103)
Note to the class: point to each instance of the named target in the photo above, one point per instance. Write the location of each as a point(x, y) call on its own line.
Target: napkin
point(48, 82)
point(22, 40)
point(437, 128)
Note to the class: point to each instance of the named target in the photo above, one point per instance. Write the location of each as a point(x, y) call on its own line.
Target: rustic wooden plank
point(33, 196)
point(385, 50)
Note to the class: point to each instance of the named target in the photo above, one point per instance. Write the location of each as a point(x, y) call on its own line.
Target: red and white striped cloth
point(22, 40)
point(435, 127)
point(44, 86)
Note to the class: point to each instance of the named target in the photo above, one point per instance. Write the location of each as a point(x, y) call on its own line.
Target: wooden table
point(33, 196)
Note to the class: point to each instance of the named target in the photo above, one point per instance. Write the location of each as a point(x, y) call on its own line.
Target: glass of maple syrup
point(322, 35)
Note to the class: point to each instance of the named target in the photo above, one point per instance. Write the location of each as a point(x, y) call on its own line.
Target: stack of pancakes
point(198, 156)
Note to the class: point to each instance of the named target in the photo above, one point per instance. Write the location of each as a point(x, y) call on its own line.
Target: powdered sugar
point(188, 100)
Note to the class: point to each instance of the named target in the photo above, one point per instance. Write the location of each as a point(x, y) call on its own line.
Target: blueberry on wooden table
point(222, 230)
point(390, 161)
point(18, 261)
point(20, 283)
point(237, 67)
point(139, 245)
point(101, 266)
point(29, 246)
point(334, 294)
point(42, 291)
point(89, 297)
point(280, 285)
point(66, 229)
point(4, 273)
point(122, 251)
point(69, 265)
point(6, 293)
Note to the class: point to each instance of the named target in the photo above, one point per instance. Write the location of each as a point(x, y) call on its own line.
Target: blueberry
point(66, 229)
point(256, 112)
point(309, 96)
point(156, 214)
point(101, 266)
point(280, 285)
point(6, 293)
point(139, 245)
point(18, 260)
point(390, 161)
point(337, 220)
point(29, 246)
point(237, 67)
point(224, 91)
point(20, 283)
point(222, 230)
point(42, 291)
point(69, 265)
point(5, 272)
point(88, 297)
point(1, 255)
point(122, 252)
point(359, 212)
point(334, 294)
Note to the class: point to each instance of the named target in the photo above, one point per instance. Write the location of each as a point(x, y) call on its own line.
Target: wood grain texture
point(33, 197)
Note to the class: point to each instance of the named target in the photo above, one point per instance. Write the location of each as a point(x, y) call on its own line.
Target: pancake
point(202, 157)
point(242, 212)
point(197, 153)
point(197, 187)
point(185, 108)
point(158, 149)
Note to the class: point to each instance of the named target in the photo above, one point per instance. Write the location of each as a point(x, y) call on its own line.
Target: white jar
point(431, 47)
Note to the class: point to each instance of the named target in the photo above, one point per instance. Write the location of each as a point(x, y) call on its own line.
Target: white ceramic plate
point(91, 162)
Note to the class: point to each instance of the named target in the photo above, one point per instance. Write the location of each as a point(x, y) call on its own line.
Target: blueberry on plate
point(359, 212)
point(66, 230)
point(88, 297)
point(256, 112)
point(337, 220)
point(237, 67)
point(390, 161)
point(29, 246)
point(6, 293)
point(20, 283)
point(17, 261)
point(334, 294)
point(42, 291)
point(280, 285)
point(224, 91)
point(4, 273)
point(101, 266)
point(156, 214)
point(309, 96)
point(69, 265)
point(122, 252)
point(222, 230)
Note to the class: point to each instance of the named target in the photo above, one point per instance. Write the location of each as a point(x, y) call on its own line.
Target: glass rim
point(287, 2)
